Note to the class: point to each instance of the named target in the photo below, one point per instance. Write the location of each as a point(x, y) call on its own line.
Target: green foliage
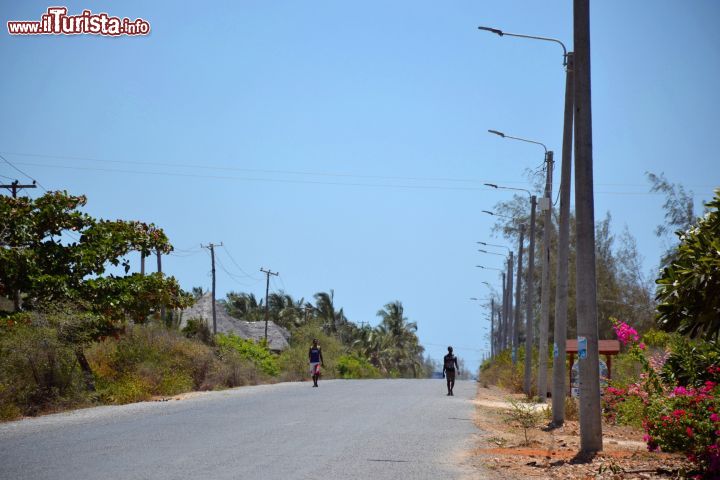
point(149, 360)
point(658, 338)
point(690, 362)
point(36, 261)
point(689, 289)
point(198, 328)
point(524, 415)
point(501, 372)
point(631, 412)
point(257, 353)
point(352, 367)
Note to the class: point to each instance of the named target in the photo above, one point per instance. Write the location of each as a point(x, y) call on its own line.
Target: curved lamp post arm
point(499, 32)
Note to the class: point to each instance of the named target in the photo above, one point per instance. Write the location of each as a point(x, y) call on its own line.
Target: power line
point(259, 179)
point(233, 277)
point(253, 170)
point(313, 182)
point(238, 265)
point(28, 176)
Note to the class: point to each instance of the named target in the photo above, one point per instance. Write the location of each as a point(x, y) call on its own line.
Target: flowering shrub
point(687, 420)
point(675, 418)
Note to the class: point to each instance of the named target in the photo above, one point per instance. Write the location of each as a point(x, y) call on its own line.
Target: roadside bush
point(690, 362)
point(149, 360)
point(257, 353)
point(501, 372)
point(352, 366)
point(197, 328)
point(294, 360)
point(688, 421)
point(232, 371)
point(38, 370)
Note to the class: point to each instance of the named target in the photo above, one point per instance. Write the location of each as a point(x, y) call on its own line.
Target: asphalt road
point(361, 429)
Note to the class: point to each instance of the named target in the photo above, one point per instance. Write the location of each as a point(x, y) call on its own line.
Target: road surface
point(345, 429)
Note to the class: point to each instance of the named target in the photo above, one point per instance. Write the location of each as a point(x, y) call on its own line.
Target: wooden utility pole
point(587, 325)
point(14, 187)
point(267, 295)
point(559, 387)
point(545, 282)
point(211, 247)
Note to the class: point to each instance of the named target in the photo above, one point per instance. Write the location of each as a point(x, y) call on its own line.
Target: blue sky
point(344, 144)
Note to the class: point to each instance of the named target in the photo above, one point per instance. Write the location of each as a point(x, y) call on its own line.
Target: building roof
point(605, 347)
point(277, 336)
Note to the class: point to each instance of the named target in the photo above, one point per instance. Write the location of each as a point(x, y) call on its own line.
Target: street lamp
point(496, 214)
point(545, 278)
point(495, 245)
point(592, 422)
point(500, 33)
point(492, 253)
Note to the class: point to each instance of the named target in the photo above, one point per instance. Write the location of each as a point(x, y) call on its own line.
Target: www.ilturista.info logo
point(57, 22)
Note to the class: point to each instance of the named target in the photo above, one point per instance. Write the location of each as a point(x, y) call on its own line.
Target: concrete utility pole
point(211, 247)
point(267, 294)
point(510, 333)
point(545, 283)
point(142, 263)
point(14, 187)
point(529, 307)
point(492, 327)
point(503, 313)
point(518, 288)
point(587, 325)
point(559, 388)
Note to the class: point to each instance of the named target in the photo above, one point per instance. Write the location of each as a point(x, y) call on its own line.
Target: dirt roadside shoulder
point(501, 447)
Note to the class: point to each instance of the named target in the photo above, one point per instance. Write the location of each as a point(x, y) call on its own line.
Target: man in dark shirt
point(316, 360)
point(450, 365)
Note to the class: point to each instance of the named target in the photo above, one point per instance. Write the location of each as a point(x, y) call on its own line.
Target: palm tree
point(245, 306)
point(399, 346)
point(334, 322)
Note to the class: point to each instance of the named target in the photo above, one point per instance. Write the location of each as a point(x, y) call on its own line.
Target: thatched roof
point(277, 336)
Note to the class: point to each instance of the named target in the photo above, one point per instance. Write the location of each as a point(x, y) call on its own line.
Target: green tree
point(688, 292)
point(42, 257)
point(399, 347)
point(679, 210)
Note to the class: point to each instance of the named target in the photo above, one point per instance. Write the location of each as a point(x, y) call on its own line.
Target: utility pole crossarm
point(15, 186)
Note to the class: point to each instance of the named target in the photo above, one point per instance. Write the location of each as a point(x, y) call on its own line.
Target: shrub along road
point(350, 429)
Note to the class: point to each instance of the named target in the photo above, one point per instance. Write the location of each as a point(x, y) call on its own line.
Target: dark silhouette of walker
point(450, 366)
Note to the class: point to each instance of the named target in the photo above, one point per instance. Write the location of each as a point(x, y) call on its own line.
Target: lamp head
point(492, 30)
point(497, 133)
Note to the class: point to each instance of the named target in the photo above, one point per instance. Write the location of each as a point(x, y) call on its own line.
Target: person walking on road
point(316, 360)
point(450, 365)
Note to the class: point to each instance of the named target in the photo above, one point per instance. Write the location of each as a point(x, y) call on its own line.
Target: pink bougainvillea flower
point(714, 417)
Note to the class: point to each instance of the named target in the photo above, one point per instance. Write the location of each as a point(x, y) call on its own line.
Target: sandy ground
point(501, 447)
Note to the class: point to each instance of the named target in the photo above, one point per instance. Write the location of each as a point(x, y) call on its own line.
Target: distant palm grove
point(391, 349)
